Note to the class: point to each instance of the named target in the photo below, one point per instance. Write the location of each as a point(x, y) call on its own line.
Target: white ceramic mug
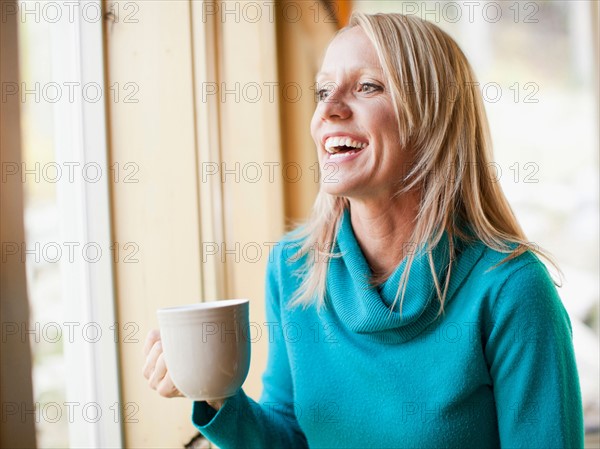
point(207, 347)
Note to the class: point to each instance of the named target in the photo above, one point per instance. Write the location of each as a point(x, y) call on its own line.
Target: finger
point(152, 337)
point(167, 388)
point(160, 370)
point(151, 359)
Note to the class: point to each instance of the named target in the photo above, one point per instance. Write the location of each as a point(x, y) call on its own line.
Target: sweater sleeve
point(271, 422)
point(532, 364)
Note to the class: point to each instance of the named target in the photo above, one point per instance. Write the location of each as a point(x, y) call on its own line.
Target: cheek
point(386, 118)
point(313, 126)
point(388, 122)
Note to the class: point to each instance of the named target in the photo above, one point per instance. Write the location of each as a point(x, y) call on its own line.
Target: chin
point(339, 189)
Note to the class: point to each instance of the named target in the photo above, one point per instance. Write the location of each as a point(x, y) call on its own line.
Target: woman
point(432, 322)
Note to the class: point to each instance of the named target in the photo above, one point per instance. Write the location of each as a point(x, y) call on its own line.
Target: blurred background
point(164, 134)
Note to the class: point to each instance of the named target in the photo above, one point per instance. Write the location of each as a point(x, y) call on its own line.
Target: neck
point(383, 230)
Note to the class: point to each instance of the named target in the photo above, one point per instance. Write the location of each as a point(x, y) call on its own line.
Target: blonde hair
point(442, 121)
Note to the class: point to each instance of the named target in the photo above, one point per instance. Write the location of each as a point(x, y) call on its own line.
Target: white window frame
point(84, 216)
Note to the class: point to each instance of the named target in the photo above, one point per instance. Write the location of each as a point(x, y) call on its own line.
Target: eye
point(324, 91)
point(368, 88)
point(322, 94)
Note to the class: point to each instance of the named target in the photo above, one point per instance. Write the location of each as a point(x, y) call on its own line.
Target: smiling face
point(354, 126)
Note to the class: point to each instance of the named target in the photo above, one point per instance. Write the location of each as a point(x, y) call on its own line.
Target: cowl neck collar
point(365, 309)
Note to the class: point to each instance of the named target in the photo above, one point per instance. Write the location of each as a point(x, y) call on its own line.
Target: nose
point(334, 107)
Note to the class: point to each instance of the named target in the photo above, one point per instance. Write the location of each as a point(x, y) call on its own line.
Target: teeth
point(332, 142)
point(341, 155)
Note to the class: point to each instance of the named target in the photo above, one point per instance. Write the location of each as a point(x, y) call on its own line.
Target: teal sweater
point(497, 369)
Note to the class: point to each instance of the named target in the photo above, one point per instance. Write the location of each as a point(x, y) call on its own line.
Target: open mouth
point(339, 147)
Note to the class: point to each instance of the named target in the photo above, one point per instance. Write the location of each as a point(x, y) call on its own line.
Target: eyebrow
point(359, 69)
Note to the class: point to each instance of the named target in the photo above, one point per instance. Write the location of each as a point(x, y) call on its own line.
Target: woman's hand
point(155, 370)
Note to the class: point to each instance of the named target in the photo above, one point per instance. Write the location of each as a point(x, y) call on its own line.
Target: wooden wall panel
point(159, 212)
point(176, 208)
